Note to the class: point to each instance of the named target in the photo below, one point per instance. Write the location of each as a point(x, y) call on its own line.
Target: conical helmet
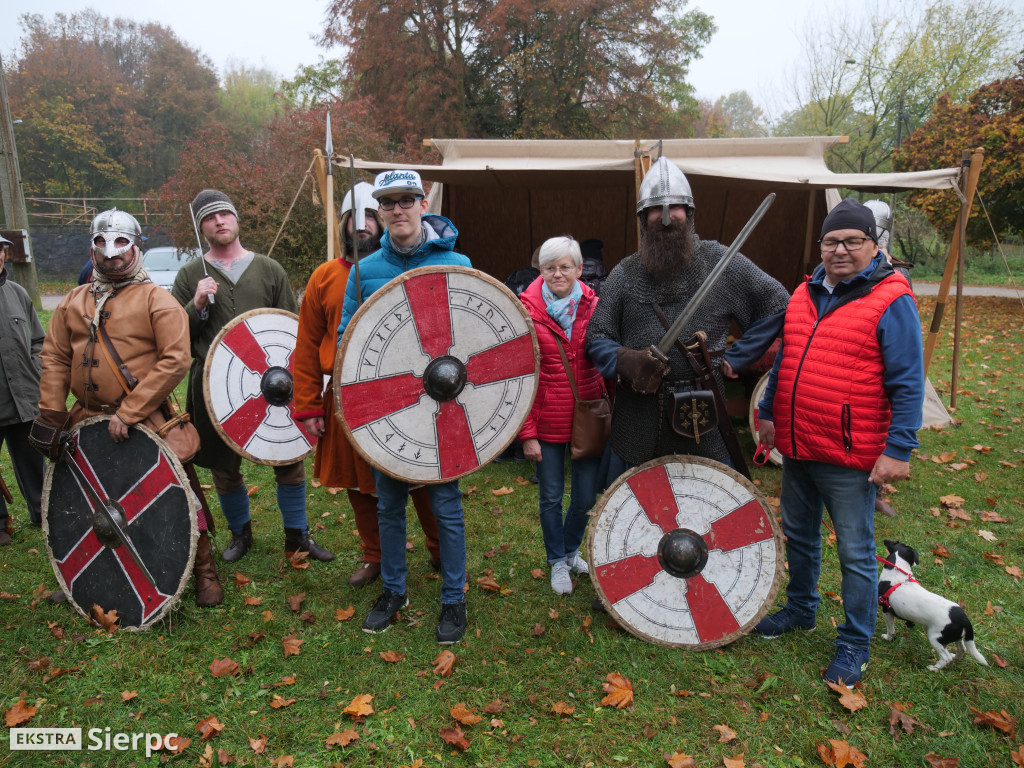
point(883, 220)
point(664, 185)
point(106, 230)
point(364, 200)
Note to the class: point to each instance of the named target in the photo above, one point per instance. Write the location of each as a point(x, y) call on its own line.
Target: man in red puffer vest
point(843, 406)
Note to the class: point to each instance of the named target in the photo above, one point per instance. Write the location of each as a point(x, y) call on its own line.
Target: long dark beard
point(667, 252)
point(361, 247)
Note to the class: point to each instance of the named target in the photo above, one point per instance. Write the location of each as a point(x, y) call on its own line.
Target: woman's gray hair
point(557, 247)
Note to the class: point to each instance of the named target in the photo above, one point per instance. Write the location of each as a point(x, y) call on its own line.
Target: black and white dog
point(902, 597)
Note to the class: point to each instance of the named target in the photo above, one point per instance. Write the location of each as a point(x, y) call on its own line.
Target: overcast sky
point(755, 49)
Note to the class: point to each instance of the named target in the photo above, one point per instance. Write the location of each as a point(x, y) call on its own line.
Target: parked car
point(162, 264)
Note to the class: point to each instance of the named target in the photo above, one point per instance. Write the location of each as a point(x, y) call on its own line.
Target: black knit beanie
point(850, 214)
point(209, 202)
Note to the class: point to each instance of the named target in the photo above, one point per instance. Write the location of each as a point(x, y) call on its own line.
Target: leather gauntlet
point(49, 434)
point(641, 369)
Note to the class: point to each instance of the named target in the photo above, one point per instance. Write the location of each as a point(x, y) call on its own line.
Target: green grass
point(770, 693)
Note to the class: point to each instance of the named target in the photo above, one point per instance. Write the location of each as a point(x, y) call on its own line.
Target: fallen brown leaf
point(258, 745)
point(443, 663)
point(619, 690)
point(538, 629)
point(840, 754)
point(851, 699)
point(937, 761)
point(464, 715)
point(359, 706)
point(455, 737)
point(562, 709)
point(253, 601)
point(209, 727)
point(283, 761)
point(680, 760)
point(727, 733)
point(19, 713)
point(392, 657)
point(292, 645)
point(176, 743)
point(241, 580)
point(224, 667)
point(1000, 720)
point(128, 695)
point(342, 739)
point(224, 758)
point(1017, 755)
point(537, 573)
point(898, 718)
point(734, 762)
point(267, 616)
point(295, 601)
point(495, 707)
point(488, 583)
point(108, 620)
point(279, 702)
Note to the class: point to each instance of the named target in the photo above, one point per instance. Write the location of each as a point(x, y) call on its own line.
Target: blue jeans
point(807, 488)
point(446, 500)
point(562, 538)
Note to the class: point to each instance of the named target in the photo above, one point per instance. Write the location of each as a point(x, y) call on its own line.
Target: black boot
point(240, 543)
point(208, 589)
point(296, 539)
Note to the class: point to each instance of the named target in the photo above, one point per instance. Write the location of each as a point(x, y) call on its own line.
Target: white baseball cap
point(396, 182)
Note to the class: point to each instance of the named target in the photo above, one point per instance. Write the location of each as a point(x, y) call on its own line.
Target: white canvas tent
point(507, 197)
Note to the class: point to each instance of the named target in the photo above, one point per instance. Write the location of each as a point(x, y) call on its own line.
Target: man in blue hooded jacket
point(412, 239)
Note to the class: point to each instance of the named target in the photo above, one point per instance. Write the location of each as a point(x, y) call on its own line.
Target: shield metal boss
point(248, 387)
point(150, 495)
point(436, 374)
point(774, 457)
point(685, 552)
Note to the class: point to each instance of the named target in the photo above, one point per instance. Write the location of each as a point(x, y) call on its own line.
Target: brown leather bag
point(175, 429)
point(591, 419)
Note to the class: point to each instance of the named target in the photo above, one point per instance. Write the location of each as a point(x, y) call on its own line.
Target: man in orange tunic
point(337, 464)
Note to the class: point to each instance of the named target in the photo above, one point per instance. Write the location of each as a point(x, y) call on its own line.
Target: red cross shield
point(685, 552)
point(248, 387)
point(148, 486)
point(436, 374)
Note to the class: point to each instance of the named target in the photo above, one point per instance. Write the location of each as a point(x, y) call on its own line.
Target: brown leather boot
point(208, 590)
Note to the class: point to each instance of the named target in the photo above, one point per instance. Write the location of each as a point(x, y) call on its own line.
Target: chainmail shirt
point(624, 314)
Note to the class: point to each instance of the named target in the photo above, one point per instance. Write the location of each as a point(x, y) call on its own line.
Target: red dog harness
point(883, 600)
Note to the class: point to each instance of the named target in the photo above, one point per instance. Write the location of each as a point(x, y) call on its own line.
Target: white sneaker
point(561, 582)
point(578, 565)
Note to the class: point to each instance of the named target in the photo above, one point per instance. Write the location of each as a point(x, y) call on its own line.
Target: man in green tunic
point(241, 281)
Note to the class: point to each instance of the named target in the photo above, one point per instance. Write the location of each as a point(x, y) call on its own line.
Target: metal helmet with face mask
point(109, 227)
point(364, 201)
point(883, 220)
point(665, 185)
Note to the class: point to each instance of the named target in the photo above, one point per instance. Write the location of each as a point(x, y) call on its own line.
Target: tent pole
point(808, 235)
point(972, 164)
point(320, 167)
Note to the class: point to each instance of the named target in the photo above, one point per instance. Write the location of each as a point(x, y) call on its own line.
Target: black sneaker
point(383, 611)
point(451, 625)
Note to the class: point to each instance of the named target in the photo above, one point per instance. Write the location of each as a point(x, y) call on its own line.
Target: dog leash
point(883, 599)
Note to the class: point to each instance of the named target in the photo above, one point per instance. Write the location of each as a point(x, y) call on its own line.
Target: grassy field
point(533, 664)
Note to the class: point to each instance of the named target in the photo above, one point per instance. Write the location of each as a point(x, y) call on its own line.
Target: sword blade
point(662, 347)
point(100, 505)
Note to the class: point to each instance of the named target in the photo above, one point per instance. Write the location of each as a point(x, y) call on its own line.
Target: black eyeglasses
point(387, 204)
point(851, 244)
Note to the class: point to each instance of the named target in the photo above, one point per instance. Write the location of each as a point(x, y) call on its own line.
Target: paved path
point(932, 289)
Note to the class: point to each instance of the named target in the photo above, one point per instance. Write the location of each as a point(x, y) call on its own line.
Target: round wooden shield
point(249, 388)
point(774, 456)
point(436, 374)
point(145, 486)
point(685, 552)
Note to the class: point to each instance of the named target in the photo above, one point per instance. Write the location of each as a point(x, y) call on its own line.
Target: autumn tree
point(263, 179)
point(522, 68)
point(732, 116)
point(249, 100)
point(105, 104)
point(992, 118)
point(903, 57)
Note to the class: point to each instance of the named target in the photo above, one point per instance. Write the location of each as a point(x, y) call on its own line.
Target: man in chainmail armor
point(672, 263)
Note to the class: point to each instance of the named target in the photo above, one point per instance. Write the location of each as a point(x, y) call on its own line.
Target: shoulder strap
point(121, 373)
point(568, 369)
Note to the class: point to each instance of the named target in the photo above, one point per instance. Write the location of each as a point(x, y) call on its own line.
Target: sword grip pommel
point(657, 354)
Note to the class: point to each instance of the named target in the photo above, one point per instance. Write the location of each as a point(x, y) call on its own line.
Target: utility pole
point(15, 213)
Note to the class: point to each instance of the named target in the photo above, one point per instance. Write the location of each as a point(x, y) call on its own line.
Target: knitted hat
point(850, 214)
point(209, 202)
point(397, 182)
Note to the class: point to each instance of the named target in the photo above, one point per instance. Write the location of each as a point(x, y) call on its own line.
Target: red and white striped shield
point(685, 552)
point(146, 487)
point(436, 374)
point(248, 387)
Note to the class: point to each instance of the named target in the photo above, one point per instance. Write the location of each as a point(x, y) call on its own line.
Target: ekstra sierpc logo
point(54, 739)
